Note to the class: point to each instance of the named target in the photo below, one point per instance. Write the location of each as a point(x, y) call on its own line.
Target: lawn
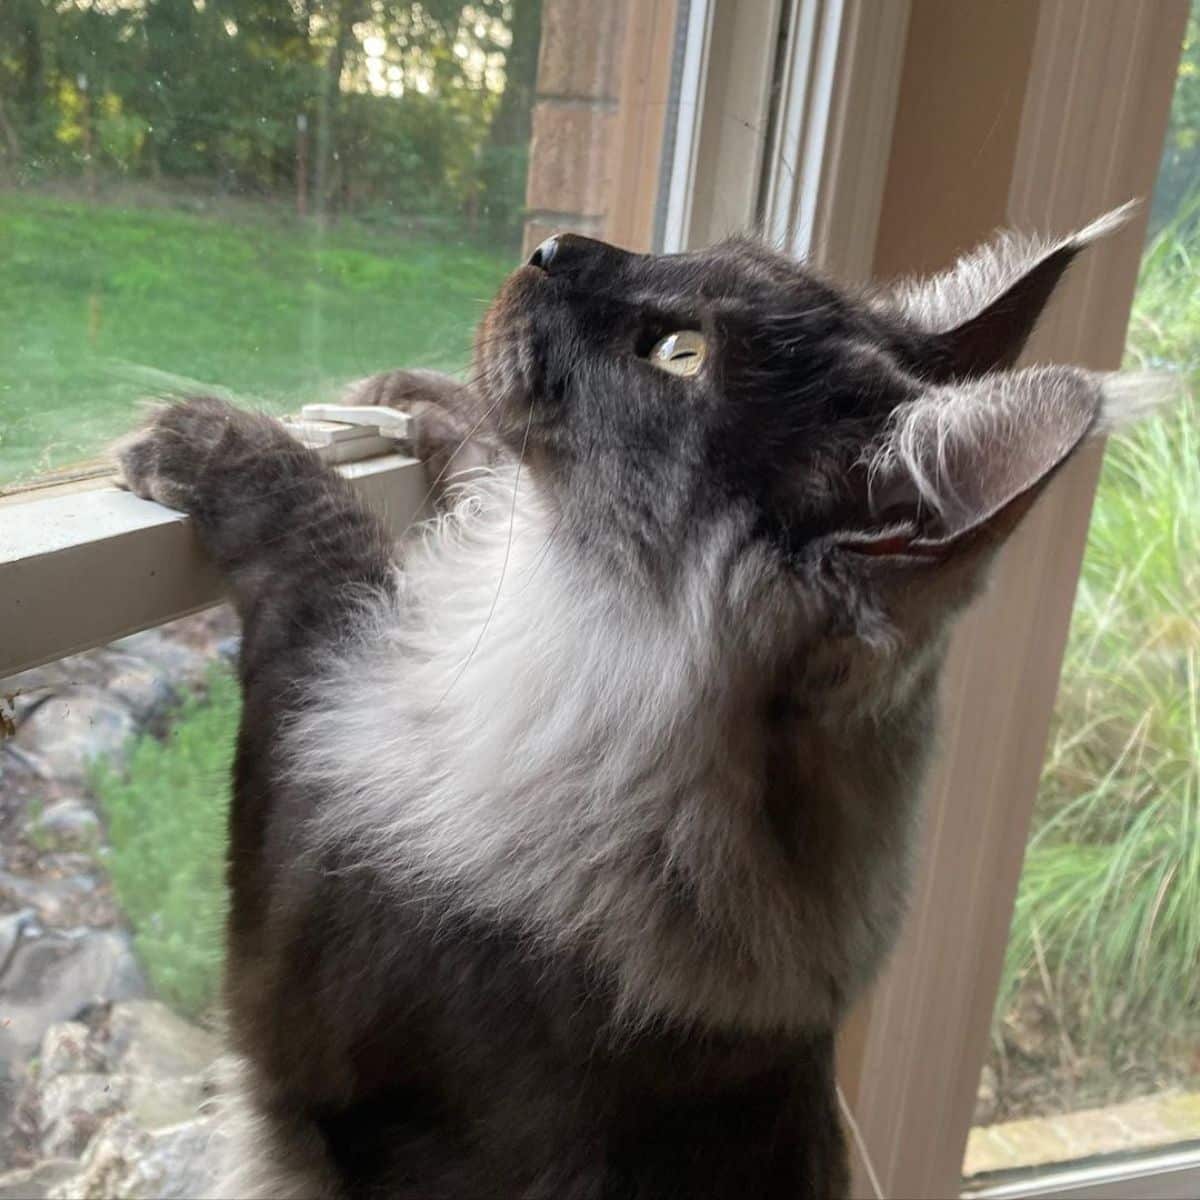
point(102, 305)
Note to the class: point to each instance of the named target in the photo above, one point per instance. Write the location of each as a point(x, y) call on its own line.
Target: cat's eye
point(682, 353)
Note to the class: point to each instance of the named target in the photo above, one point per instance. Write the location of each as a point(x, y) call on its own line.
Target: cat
point(563, 837)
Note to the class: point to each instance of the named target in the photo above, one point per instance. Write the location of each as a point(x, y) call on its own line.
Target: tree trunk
point(29, 93)
point(11, 140)
point(349, 12)
point(512, 124)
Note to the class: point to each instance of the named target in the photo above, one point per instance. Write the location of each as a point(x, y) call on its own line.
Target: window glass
point(264, 198)
point(1096, 1034)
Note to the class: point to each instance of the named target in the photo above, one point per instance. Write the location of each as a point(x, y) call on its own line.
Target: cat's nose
point(570, 252)
point(543, 256)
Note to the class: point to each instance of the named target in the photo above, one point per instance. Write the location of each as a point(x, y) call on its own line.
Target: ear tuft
point(977, 316)
point(1128, 396)
point(961, 455)
point(1107, 224)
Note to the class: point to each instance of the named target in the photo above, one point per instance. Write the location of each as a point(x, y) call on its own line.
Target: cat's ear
point(959, 466)
point(977, 316)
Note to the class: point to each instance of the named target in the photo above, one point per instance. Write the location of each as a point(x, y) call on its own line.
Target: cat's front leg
point(296, 546)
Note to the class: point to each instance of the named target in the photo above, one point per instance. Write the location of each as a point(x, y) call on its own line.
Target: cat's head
point(867, 452)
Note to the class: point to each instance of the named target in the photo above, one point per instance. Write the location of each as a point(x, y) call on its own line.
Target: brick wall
point(575, 117)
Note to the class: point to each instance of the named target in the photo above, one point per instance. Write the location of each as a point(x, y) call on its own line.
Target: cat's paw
point(165, 460)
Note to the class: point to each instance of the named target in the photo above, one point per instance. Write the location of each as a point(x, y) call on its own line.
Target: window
point(1038, 118)
point(270, 246)
point(268, 201)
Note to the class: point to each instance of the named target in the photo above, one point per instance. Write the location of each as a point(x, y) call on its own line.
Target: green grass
point(100, 306)
point(166, 814)
point(1107, 927)
point(103, 305)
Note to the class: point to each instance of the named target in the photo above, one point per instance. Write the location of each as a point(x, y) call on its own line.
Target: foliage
point(348, 103)
point(167, 814)
point(1179, 170)
point(275, 310)
point(1107, 924)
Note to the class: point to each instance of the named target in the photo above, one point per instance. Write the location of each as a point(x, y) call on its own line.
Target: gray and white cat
point(560, 847)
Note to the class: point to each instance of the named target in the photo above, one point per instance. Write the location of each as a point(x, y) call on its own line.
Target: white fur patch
point(963, 450)
point(582, 762)
point(266, 1158)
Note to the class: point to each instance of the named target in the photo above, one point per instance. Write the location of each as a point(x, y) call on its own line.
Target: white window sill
point(81, 566)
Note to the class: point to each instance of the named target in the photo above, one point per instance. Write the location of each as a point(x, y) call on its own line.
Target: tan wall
point(603, 74)
point(579, 74)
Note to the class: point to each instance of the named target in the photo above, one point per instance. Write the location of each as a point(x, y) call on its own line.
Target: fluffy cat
point(560, 848)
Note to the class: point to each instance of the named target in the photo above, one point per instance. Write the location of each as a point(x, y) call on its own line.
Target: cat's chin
point(508, 369)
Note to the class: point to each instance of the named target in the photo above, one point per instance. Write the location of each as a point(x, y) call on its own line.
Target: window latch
point(349, 432)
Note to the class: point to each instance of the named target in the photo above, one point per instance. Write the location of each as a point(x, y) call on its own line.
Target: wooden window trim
point(1068, 107)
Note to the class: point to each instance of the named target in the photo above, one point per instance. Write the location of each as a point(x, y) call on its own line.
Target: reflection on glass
point(262, 198)
point(1096, 1037)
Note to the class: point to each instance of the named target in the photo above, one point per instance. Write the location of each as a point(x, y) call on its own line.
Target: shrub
point(1107, 923)
point(167, 812)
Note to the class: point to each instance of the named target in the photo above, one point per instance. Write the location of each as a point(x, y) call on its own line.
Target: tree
point(1179, 170)
point(419, 105)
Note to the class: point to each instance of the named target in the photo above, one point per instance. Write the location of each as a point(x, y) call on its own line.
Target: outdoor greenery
point(1106, 935)
point(166, 814)
point(1179, 170)
point(343, 105)
point(262, 197)
point(239, 298)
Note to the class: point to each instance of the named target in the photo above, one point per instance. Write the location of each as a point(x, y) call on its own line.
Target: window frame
point(82, 564)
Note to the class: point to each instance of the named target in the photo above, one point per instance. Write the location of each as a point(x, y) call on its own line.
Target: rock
point(65, 735)
point(143, 686)
point(14, 927)
point(185, 1159)
point(59, 902)
point(71, 1109)
point(126, 1163)
point(32, 688)
point(108, 1165)
point(67, 1049)
point(52, 978)
point(35, 1183)
point(157, 1103)
point(178, 661)
point(65, 825)
point(147, 1039)
point(229, 648)
point(57, 863)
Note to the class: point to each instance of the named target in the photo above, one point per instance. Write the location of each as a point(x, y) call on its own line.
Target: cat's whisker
point(512, 521)
point(431, 491)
